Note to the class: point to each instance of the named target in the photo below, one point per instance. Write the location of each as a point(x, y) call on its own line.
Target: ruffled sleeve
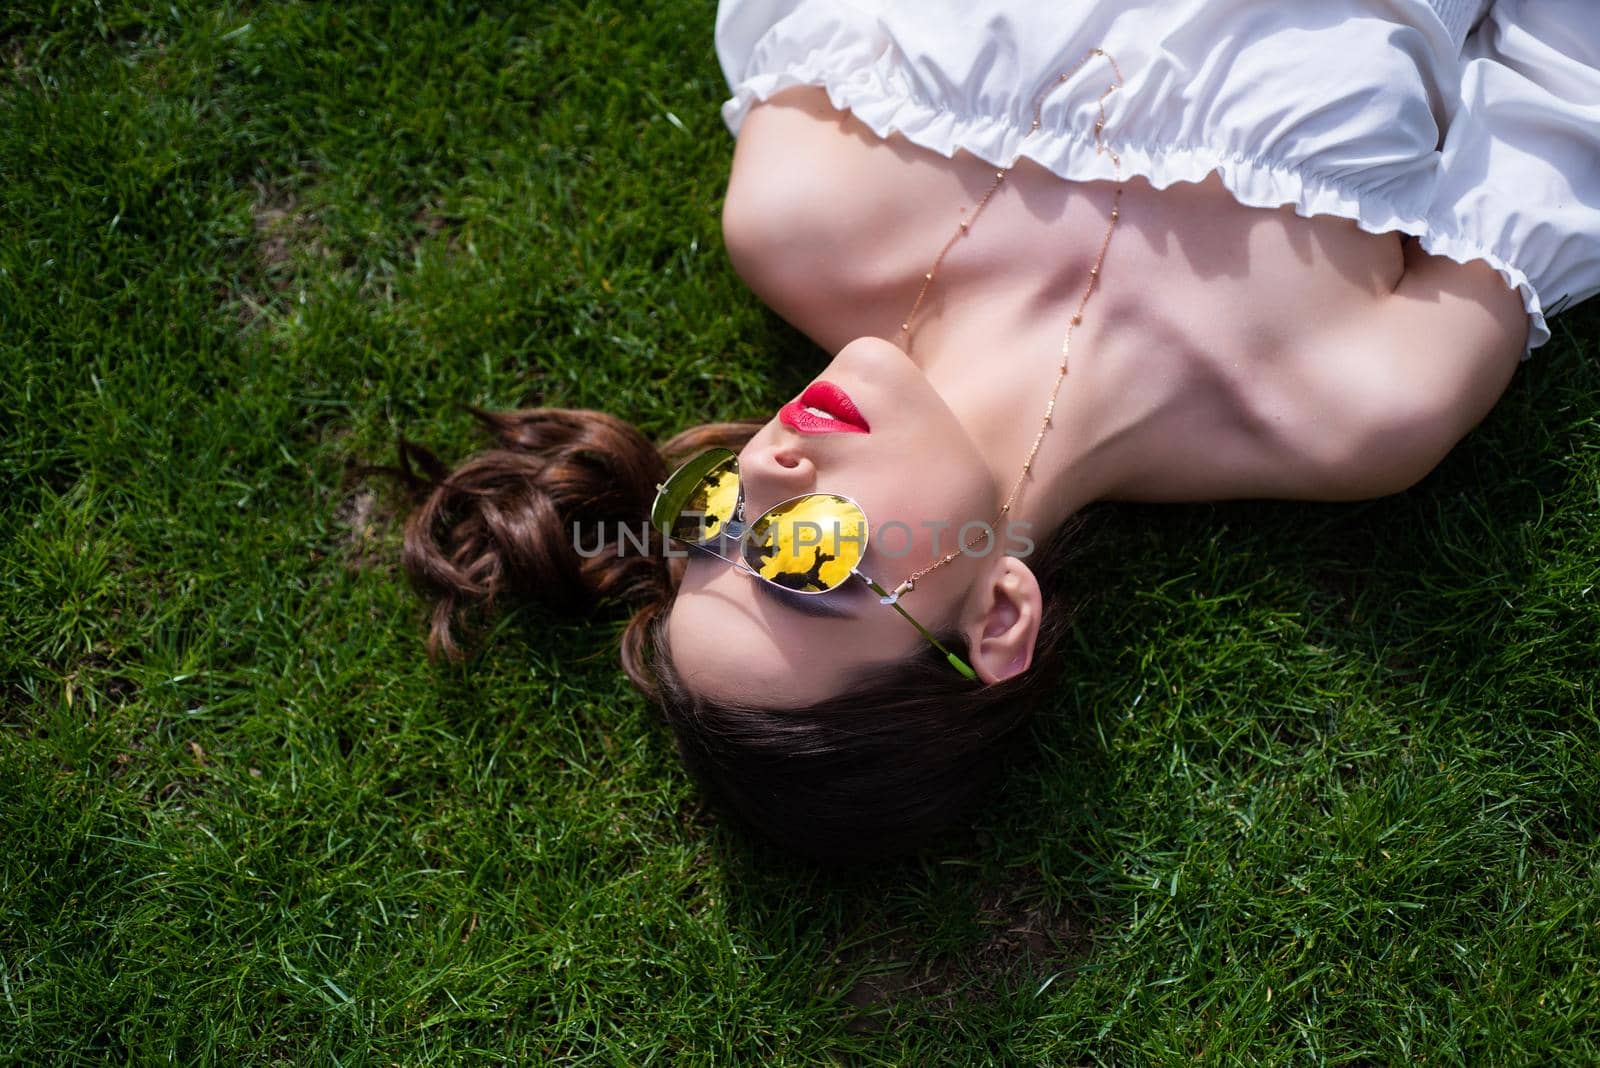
point(1519, 172)
point(1473, 125)
point(765, 46)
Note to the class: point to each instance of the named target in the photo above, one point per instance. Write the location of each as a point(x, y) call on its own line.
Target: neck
point(1083, 455)
point(1048, 465)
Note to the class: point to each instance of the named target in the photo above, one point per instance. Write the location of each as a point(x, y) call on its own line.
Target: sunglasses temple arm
point(955, 661)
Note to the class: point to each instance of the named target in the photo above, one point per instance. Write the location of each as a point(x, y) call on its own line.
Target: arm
point(1411, 379)
point(1518, 198)
point(1519, 167)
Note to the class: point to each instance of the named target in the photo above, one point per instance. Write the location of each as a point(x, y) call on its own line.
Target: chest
point(836, 229)
point(1200, 325)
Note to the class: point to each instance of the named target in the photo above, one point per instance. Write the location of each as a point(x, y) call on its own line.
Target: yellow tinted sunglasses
point(806, 545)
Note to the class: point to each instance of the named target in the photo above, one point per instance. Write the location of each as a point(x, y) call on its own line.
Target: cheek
point(734, 659)
point(944, 491)
point(926, 530)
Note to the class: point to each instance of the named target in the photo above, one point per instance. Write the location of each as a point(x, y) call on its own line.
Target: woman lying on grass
point(1142, 252)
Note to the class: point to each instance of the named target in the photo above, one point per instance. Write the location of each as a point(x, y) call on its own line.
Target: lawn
point(1322, 785)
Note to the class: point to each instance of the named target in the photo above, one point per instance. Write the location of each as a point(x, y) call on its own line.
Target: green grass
point(1322, 787)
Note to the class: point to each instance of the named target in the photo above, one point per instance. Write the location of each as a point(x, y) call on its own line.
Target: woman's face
point(917, 475)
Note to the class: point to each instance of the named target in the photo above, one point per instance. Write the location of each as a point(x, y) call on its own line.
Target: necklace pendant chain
point(1093, 284)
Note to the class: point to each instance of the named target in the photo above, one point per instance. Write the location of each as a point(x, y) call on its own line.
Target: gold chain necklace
point(904, 335)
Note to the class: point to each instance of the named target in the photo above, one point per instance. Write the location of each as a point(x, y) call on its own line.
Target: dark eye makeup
point(830, 605)
point(810, 604)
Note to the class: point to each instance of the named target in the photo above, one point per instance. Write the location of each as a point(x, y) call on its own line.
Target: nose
point(774, 473)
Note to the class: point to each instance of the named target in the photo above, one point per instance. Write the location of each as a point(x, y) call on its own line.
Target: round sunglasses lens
point(707, 503)
point(809, 544)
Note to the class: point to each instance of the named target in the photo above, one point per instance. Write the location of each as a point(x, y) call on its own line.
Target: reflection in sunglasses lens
point(711, 505)
point(810, 544)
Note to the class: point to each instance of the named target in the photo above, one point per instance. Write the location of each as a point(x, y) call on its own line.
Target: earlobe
point(1005, 621)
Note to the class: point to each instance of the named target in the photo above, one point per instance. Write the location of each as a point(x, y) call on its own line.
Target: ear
point(1002, 620)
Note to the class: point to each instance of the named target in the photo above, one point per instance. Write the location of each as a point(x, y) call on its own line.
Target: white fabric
point(1472, 124)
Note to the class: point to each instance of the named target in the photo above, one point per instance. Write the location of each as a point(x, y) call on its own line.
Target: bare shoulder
point(792, 150)
point(794, 184)
point(1406, 382)
point(1467, 306)
point(820, 213)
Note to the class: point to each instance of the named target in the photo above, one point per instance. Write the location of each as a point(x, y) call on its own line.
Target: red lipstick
point(823, 408)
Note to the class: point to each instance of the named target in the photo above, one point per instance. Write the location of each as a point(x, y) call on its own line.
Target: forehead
point(731, 644)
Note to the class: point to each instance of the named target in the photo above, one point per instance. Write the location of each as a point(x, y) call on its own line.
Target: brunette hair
point(901, 753)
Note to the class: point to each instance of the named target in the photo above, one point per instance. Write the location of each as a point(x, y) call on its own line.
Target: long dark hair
point(903, 751)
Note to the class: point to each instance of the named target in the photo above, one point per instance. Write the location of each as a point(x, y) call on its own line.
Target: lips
point(823, 408)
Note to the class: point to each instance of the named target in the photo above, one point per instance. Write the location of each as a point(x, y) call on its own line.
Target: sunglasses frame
point(737, 530)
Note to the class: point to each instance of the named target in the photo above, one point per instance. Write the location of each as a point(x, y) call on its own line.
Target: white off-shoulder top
point(1472, 124)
